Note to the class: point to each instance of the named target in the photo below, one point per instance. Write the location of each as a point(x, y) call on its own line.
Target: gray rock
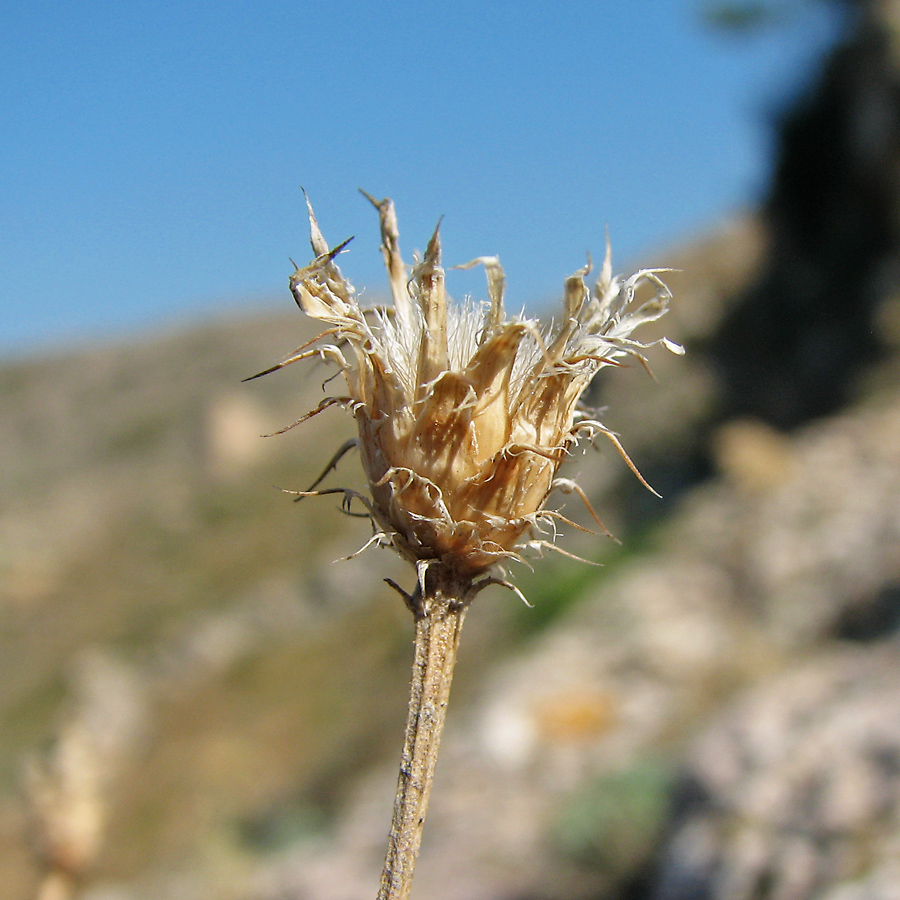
point(795, 790)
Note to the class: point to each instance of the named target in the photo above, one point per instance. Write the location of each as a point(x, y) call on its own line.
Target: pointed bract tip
point(606, 269)
point(316, 239)
point(376, 203)
point(333, 252)
point(433, 251)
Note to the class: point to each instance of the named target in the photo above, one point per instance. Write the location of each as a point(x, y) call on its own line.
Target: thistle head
point(465, 415)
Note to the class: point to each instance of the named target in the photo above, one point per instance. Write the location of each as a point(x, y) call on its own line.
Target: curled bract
point(464, 415)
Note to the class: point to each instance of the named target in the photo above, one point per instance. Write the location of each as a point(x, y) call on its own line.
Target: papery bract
point(465, 416)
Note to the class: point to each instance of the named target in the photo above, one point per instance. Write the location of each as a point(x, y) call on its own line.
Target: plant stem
point(439, 618)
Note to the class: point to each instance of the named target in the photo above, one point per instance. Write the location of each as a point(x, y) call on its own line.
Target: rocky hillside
point(172, 622)
point(223, 706)
point(196, 703)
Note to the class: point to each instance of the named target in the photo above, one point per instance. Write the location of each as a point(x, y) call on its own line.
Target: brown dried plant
point(68, 788)
point(464, 418)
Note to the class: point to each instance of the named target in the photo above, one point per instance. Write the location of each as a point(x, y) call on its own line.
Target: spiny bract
point(465, 415)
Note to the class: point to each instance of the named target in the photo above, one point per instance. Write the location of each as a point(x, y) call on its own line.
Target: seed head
point(464, 415)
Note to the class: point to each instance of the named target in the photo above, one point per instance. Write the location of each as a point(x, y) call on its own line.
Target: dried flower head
point(465, 415)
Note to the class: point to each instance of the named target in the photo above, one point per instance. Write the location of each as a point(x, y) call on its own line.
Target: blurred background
point(195, 702)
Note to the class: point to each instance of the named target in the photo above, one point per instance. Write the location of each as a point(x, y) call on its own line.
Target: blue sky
point(152, 154)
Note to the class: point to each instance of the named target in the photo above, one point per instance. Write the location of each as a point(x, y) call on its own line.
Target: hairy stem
point(439, 618)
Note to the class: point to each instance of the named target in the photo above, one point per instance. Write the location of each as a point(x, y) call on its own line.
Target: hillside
point(158, 589)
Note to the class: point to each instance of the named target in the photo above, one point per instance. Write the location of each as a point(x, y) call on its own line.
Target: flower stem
point(439, 617)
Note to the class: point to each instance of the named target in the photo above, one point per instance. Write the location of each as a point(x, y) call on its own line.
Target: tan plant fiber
point(464, 418)
point(465, 415)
